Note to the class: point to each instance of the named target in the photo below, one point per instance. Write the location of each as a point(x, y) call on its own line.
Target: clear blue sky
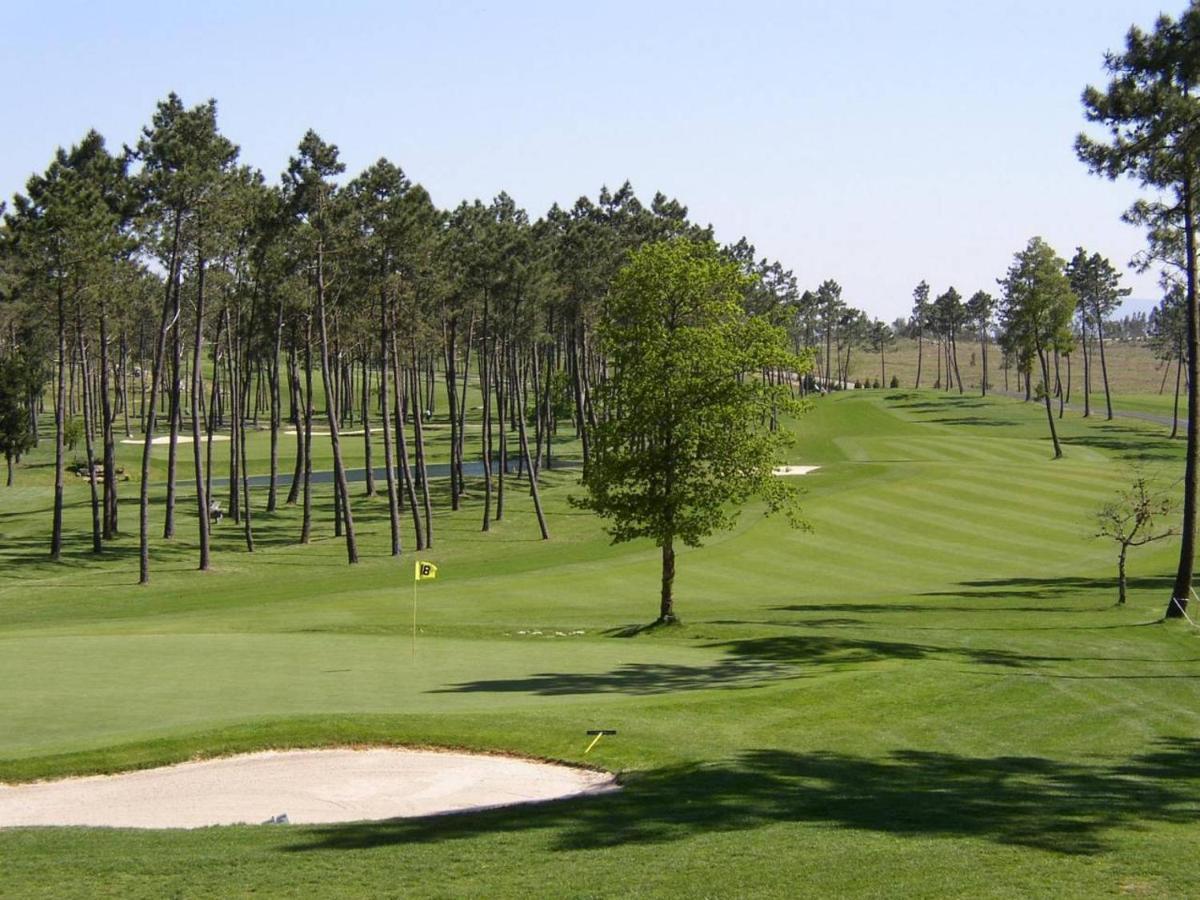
point(873, 142)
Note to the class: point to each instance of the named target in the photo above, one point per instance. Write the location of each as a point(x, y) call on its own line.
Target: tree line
point(170, 289)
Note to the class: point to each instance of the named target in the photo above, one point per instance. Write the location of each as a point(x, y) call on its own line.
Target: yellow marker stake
point(599, 733)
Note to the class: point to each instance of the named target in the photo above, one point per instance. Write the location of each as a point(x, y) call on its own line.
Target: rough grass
point(1132, 368)
point(931, 694)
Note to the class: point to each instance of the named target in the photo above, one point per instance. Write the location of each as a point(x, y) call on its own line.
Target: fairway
point(931, 691)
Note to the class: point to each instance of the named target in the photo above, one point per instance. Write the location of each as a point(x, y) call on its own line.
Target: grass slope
point(931, 694)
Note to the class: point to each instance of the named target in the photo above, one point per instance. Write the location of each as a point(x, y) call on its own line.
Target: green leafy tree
point(1150, 109)
point(881, 338)
point(1097, 284)
point(830, 305)
point(16, 436)
point(311, 195)
point(1036, 310)
point(980, 309)
point(682, 434)
point(920, 313)
point(947, 314)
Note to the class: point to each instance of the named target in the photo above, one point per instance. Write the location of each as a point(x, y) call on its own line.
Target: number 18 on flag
point(423, 571)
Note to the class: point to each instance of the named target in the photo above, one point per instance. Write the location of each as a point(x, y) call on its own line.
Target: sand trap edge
point(314, 786)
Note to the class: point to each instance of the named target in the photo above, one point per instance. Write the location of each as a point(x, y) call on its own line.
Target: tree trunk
point(339, 471)
point(498, 379)
point(419, 441)
point(1058, 386)
point(954, 359)
point(666, 607)
point(235, 416)
point(1103, 363)
point(86, 407)
point(983, 381)
point(306, 518)
point(197, 400)
point(530, 467)
point(175, 415)
point(1087, 369)
point(486, 435)
point(1121, 577)
point(109, 448)
point(366, 425)
point(402, 445)
point(389, 461)
point(60, 423)
point(295, 398)
point(448, 343)
point(1041, 354)
point(920, 353)
point(276, 411)
point(1187, 544)
point(160, 349)
point(1178, 379)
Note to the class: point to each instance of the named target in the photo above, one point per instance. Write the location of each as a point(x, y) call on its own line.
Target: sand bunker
point(794, 470)
point(308, 786)
point(292, 433)
point(166, 439)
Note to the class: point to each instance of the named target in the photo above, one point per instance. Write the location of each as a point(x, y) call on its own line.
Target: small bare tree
point(1130, 521)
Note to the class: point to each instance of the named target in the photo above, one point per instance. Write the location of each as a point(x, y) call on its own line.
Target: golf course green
point(931, 693)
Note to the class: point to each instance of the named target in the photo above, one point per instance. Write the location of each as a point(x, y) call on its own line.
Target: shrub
point(72, 432)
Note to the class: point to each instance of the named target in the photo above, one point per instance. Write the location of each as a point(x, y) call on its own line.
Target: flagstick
point(414, 630)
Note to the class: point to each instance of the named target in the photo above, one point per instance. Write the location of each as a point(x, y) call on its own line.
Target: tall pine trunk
point(108, 443)
point(402, 444)
point(306, 518)
point(276, 411)
point(160, 349)
point(366, 424)
point(530, 466)
point(88, 414)
point(60, 423)
point(1103, 364)
point(1187, 545)
point(1045, 365)
point(339, 472)
point(175, 415)
point(389, 461)
point(419, 441)
point(197, 400)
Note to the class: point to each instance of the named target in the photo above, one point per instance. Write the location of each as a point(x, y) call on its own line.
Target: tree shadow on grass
point(939, 403)
point(1127, 443)
point(746, 663)
point(1050, 805)
point(973, 421)
point(1045, 588)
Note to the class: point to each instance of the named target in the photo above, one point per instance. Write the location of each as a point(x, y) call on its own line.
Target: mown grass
point(930, 694)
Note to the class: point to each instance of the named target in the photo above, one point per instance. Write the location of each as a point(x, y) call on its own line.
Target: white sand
point(292, 432)
point(309, 786)
point(166, 439)
point(794, 470)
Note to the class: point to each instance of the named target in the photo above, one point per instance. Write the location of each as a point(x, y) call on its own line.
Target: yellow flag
point(424, 571)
